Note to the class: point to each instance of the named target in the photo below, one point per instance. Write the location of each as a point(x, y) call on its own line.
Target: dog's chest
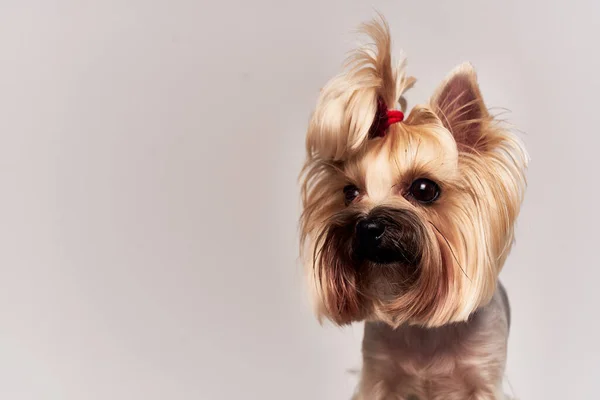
point(418, 357)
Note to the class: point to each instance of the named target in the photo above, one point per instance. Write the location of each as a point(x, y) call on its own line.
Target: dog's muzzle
point(388, 236)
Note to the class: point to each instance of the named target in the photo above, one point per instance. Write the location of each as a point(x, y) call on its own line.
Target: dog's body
point(407, 224)
point(462, 360)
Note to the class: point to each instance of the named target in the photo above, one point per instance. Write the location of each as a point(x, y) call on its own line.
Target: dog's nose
point(369, 232)
point(388, 236)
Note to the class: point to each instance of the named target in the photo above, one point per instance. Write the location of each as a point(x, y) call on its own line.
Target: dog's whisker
point(450, 248)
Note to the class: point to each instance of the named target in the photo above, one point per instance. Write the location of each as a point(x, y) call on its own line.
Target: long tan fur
point(466, 234)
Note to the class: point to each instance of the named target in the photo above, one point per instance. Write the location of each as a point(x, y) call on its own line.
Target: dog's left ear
point(459, 105)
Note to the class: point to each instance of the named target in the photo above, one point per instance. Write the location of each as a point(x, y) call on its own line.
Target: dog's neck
point(439, 337)
point(420, 340)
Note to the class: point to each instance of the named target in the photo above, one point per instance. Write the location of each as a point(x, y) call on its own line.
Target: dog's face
point(412, 227)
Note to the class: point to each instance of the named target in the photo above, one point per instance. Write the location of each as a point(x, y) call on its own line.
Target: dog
point(406, 224)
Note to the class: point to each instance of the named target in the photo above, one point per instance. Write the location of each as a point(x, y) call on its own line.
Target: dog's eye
point(425, 190)
point(351, 192)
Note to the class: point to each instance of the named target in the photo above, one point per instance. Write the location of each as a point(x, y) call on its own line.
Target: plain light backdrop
point(148, 209)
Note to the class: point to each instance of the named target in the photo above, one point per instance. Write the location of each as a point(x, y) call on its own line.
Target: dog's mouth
point(388, 254)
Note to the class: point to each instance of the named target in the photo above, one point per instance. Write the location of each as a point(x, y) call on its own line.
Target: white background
point(148, 209)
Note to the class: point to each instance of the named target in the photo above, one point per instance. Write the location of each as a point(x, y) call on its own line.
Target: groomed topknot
point(347, 105)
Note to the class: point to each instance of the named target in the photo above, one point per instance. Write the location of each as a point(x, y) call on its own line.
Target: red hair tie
point(383, 119)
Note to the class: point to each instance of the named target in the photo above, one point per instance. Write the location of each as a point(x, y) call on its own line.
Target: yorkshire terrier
point(406, 224)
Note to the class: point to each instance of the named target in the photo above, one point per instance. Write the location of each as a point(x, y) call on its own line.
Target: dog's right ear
point(347, 105)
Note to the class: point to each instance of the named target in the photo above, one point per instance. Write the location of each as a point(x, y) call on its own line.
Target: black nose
point(369, 232)
point(389, 236)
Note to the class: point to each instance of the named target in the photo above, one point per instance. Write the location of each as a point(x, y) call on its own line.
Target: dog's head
point(412, 226)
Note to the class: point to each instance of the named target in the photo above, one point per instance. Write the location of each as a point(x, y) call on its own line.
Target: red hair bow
point(383, 119)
